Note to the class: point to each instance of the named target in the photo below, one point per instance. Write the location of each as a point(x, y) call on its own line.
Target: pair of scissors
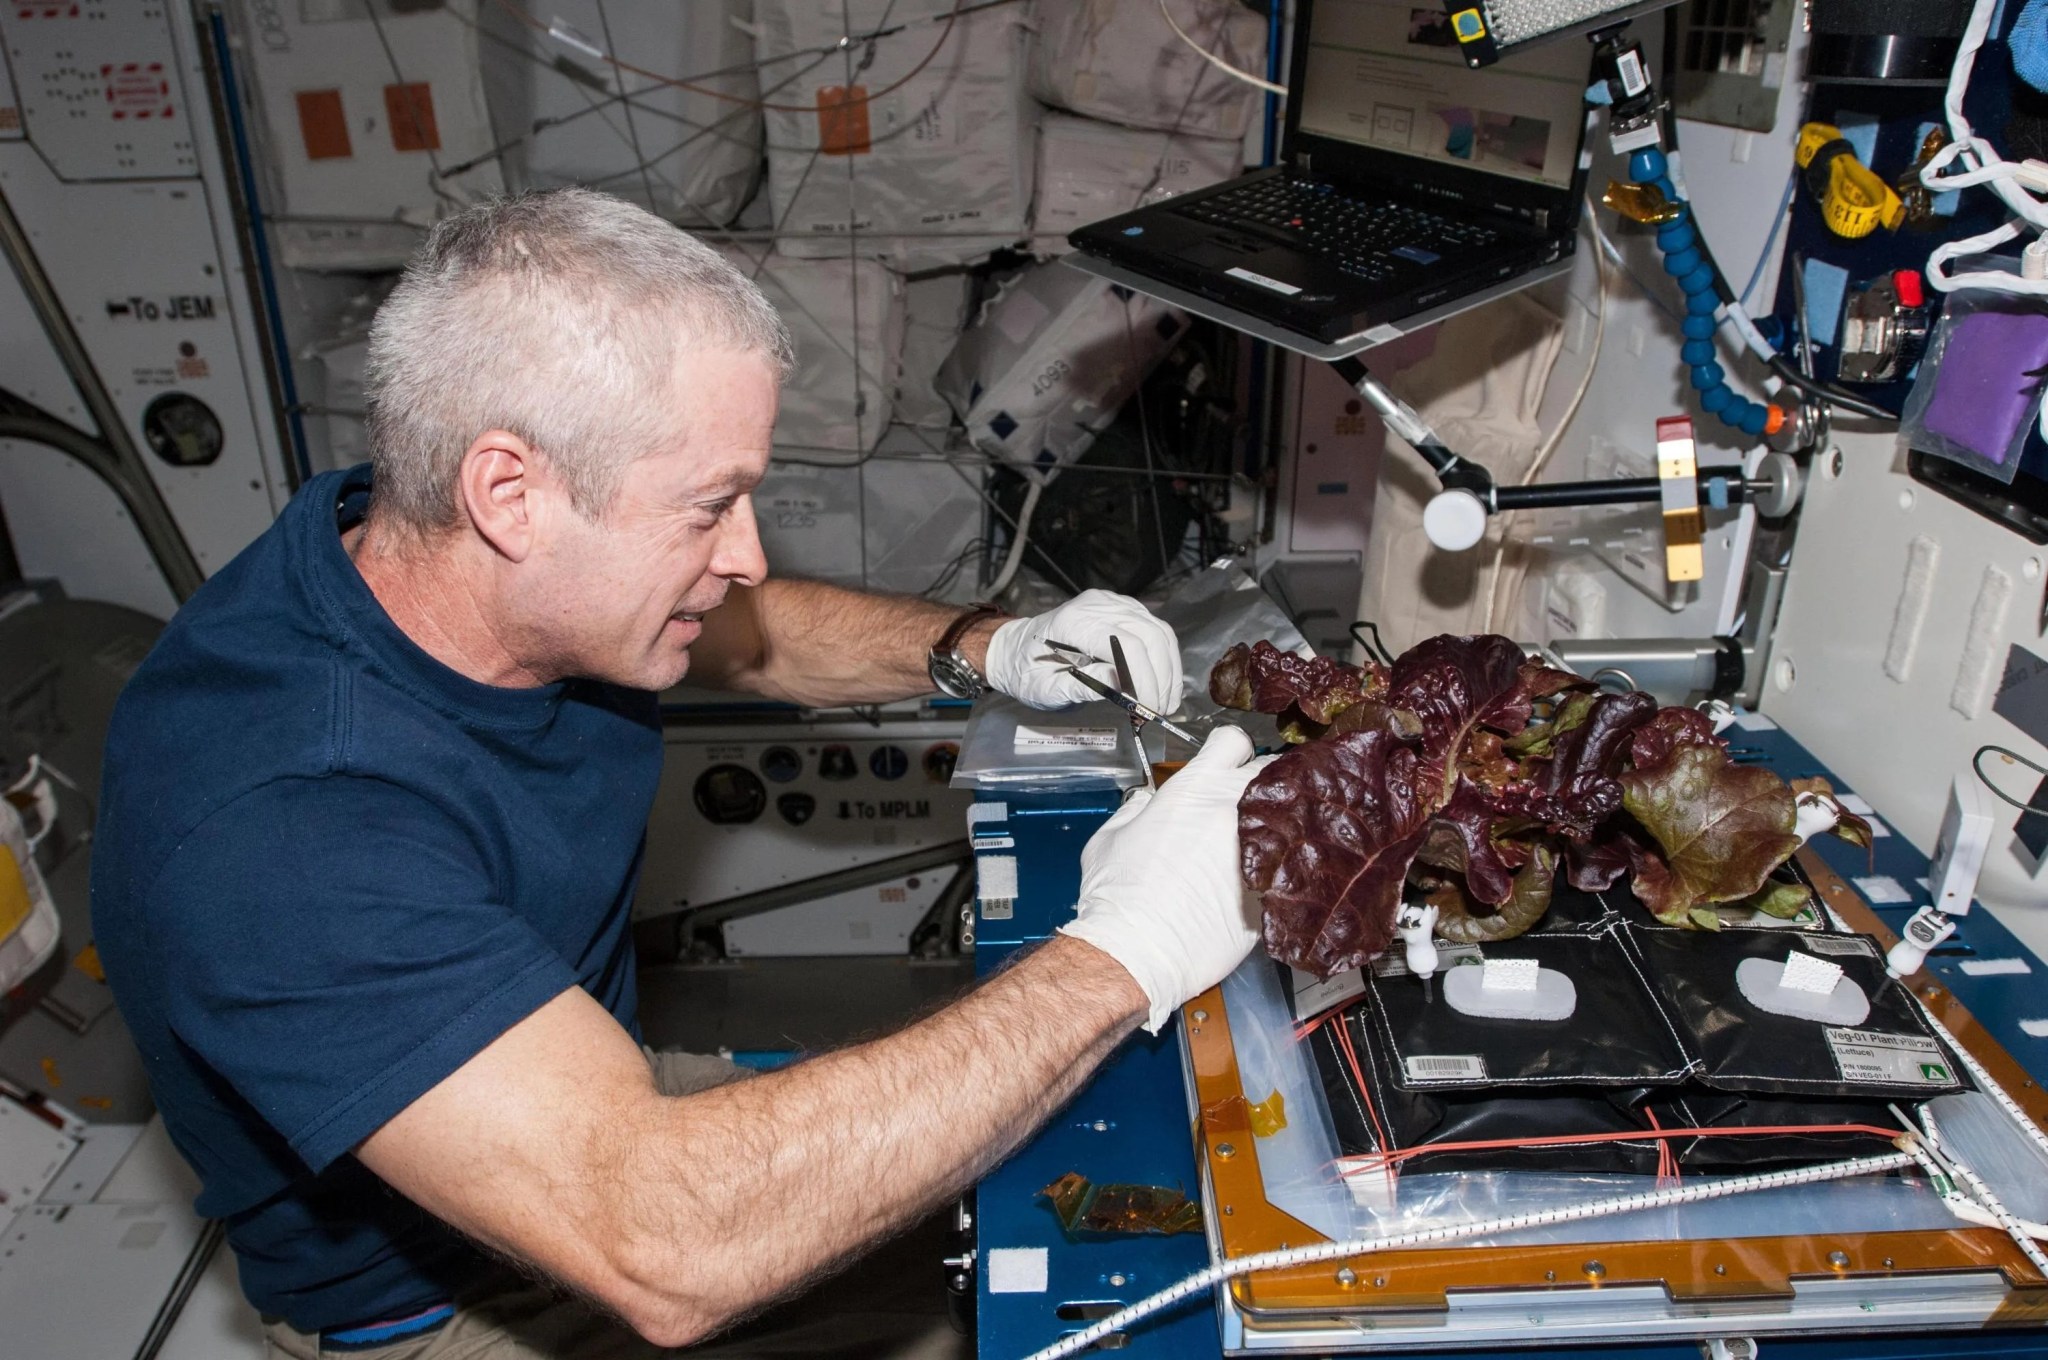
point(1122, 698)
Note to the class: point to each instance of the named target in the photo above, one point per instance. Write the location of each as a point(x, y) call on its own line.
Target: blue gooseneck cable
point(1683, 261)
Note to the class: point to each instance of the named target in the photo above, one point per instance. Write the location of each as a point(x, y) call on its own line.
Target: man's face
point(622, 598)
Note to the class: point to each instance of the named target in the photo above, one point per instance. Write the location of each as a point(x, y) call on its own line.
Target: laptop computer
point(1406, 180)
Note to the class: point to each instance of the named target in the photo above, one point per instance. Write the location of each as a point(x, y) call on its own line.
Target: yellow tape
point(15, 903)
point(1644, 203)
point(1858, 202)
point(1684, 559)
point(1855, 201)
point(1812, 138)
point(1269, 1116)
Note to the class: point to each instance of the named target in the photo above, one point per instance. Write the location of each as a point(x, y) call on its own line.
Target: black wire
point(1375, 647)
point(1778, 363)
point(1977, 764)
point(1834, 396)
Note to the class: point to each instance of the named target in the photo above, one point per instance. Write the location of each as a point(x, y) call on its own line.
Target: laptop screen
point(1388, 76)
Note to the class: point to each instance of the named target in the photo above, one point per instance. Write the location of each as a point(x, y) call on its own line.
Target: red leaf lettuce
point(1470, 777)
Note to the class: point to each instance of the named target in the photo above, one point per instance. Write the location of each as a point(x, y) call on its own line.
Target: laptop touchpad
point(1219, 253)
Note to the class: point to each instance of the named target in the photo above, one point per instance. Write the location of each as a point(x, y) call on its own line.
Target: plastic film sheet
point(1302, 1168)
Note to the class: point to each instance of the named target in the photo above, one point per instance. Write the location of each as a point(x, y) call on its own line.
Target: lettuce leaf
point(1473, 776)
point(1848, 826)
point(1328, 832)
point(1462, 920)
point(1540, 738)
point(1461, 839)
point(1667, 730)
point(1264, 679)
point(1720, 829)
point(1594, 747)
point(1778, 898)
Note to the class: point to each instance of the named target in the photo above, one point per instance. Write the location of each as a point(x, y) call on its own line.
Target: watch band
point(949, 640)
point(950, 670)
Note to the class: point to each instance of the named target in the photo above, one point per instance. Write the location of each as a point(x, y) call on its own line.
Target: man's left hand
point(1022, 665)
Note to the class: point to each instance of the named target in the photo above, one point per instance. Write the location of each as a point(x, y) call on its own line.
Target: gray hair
point(558, 316)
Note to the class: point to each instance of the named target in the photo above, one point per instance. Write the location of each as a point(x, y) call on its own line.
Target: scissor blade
point(1115, 696)
point(1131, 706)
point(1123, 678)
point(1123, 667)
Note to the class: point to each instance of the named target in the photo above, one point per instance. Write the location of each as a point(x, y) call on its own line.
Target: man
point(374, 809)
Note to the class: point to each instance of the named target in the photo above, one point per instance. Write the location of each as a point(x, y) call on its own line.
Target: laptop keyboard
point(1362, 236)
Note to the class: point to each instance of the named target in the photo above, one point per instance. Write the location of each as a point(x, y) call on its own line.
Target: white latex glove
point(1161, 886)
point(1022, 666)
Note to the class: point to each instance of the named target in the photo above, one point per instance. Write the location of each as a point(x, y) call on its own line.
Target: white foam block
point(1509, 975)
point(1882, 890)
point(1552, 998)
point(1805, 973)
point(2036, 1028)
point(1017, 1270)
point(1761, 982)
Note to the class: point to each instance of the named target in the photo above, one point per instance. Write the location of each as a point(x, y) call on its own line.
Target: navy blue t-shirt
point(329, 870)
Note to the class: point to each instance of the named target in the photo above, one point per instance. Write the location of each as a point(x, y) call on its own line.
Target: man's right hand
point(1161, 886)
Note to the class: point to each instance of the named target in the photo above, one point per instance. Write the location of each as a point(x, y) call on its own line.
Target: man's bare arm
point(811, 643)
point(682, 1214)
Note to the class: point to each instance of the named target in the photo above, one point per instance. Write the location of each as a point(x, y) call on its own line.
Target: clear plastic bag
point(1981, 1136)
point(1977, 399)
point(1008, 744)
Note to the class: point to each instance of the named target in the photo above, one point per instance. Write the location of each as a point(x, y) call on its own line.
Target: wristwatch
point(951, 672)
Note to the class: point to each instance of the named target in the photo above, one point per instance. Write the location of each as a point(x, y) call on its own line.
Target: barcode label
point(1461, 1067)
point(1839, 944)
point(1065, 739)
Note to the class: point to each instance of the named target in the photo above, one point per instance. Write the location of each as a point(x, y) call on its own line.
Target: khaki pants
point(520, 1320)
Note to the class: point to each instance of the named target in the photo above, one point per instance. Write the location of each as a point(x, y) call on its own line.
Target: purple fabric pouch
point(1989, 381)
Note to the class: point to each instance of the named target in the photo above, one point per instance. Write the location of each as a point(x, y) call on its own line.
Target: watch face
point(955, 676)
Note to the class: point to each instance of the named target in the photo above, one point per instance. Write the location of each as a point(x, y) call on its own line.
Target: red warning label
point(137, 90)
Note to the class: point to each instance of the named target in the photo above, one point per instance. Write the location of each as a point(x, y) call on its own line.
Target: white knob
point(1415, 924)
point(1816, 813)
point(1927, 929)
point(1454, 520)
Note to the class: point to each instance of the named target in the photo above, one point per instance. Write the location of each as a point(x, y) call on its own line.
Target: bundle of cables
point(1710, 303)
point(1683, 260)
